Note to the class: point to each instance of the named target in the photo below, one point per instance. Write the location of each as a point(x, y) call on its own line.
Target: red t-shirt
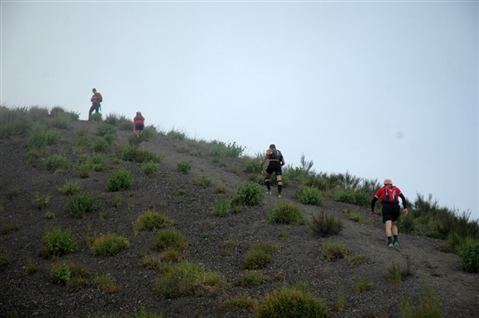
point(96, 98)
point(139, 121)
point(381, 193)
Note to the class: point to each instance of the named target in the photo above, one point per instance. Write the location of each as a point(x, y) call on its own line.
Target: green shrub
point(110, 137)
point(33, 156)
point(362, 285)
point(429, 306)
point(259, 255)
point(84, 141)
point(108, 245)
point(227, 247)
point(149, 169)
point(251, 279)
point(222, 208)
point(106, 282)
point(62, 121)
point(346, 196)
point(41, 202)
point(120, 180)
point(100, 145)
point(56, 162)
point(187, 278)
point(60, 273)
point(469, 257)
point(357, 216)
point(406, 225)
point(205, 182)
point(362, 198)
point(250, 193)
point(84, 170)
point(286, 213)
point(308, 195)
point(96, 117)
point(112, 119)
point(183, 167)
point(70, 188)
point(326, 225)
point(151, 221)
point(49, 215)
point(104, 128)
point(291, 302)
point(143, 155)
point(59, 242)
point(128, 153)
point(81, 203)
point(240, 302)
point(125, 124)
point(170, 239)
point(334, 250)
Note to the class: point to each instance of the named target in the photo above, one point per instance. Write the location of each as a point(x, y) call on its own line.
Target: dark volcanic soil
point(299, 257)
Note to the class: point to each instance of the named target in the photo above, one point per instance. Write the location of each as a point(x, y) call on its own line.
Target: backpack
point(390, 195)
point(276, 154)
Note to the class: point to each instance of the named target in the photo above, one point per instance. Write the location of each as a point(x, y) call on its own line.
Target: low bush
point(41, 202)
point(362, 285)
point(326, 225)
point(333, 250)
point(308, 195)
point(250, 193)
point(183, 167)
point(120, 180)
point(286, 213)
point(58, 242)
point(83, 202)
point(105, 128)
point(429, 306)
point(149, 169)
point(70, 188)
point(108, 245)
point(346, 196)
point(100, 145)
point(151, 221)
point(259, 255)
point(72, 275)
point(291, 302)
point(186, 278)
point(56, 162)
point(106, 282)
point(222, 207)
point(251, 279)
point(227, 247)
point(469, 257)
point(240, 302)
point(170, 239)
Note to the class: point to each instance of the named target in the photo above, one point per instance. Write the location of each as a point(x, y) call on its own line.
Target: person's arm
point(265, 157)
point(403, 203)
point(282, 161)
point(373, 203)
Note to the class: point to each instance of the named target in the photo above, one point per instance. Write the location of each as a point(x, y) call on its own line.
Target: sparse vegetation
point(183, 167)
point(108, 245)
point(250, 193)
point(58, 242)
point(326, 224)
point(259, 255)
point(286, 213)
point(120, 181)
point(35, 203)
point(291, 302)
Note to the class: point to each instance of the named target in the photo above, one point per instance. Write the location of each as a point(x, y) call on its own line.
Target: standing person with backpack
point(139, 122)
point(96, 99)
point(276, 161)
point(388, 197)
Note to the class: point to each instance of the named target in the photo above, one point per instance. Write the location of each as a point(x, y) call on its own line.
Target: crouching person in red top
point(388, 197)
point(139, 122)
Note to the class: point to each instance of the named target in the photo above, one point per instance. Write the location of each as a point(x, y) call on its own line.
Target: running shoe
point(396, 243)
point(391, 245)
point(280, 196)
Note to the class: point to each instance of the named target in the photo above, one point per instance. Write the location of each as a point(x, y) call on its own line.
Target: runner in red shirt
point(388, 196)
point(139, 122)
point(96, 99)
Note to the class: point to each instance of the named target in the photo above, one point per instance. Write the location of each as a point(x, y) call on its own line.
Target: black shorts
point(94, 107)
point(139, 126)
point(274, 166)
point(390, 212)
